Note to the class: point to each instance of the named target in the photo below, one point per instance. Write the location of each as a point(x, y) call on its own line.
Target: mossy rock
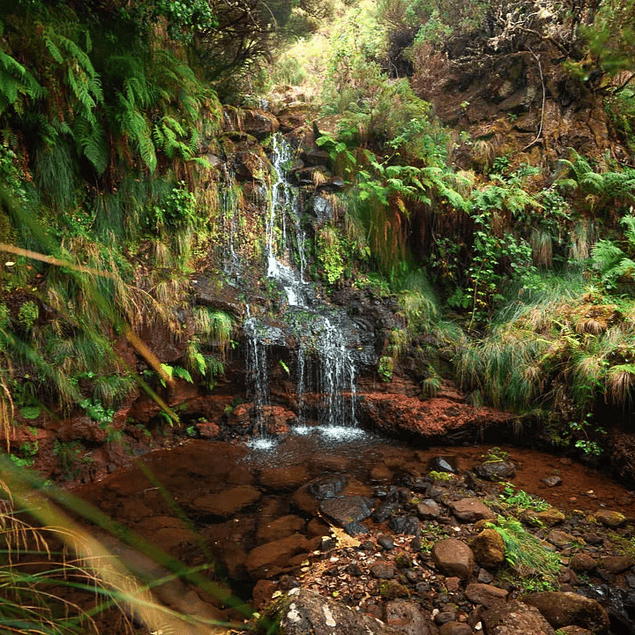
point(391, 590)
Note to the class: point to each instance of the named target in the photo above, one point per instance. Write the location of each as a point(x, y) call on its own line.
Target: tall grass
point(46, 558)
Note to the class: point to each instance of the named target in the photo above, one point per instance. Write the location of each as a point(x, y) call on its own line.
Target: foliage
point(611, 261)
point(520, 500)
point(525, 554)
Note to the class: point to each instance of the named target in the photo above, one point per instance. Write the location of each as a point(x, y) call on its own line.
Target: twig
point(542, 110)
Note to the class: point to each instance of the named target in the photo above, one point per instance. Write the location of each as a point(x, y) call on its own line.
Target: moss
point(403, 560)
point(391, 590)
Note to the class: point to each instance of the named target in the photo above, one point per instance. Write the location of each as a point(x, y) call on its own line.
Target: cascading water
point(325, 363)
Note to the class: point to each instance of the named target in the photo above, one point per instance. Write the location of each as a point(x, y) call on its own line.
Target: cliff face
point(521, 83)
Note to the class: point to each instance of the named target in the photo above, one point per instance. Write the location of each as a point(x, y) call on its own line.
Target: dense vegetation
point(512, 258)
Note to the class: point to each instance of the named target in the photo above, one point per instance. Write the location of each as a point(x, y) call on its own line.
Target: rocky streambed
point(358, 535)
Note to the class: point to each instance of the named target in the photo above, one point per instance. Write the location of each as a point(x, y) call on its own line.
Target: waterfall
point(326, 339)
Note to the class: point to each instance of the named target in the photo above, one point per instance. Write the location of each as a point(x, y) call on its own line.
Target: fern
point(89, 137)
point(16, 81)
point(81, 76)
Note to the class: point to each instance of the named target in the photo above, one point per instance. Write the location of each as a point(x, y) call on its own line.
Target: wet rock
point(398, 415)
point(496, 470)
point(307, 612)
point(261, 595)
point(485, 577)
point(453, 557)
point(616, 564)
point(560, 539)
point(258, 123)
point(516, 618)
point(488, 548)
point(380, 473)
point(485, 594)
point(226, 503)
point(293, 117)
point(444, 617)
point(83, 429)
point(439, 464)
point(383, 570)
point(547, 518)
point(564, 609)
point(428, 509)
point(455, 628)
point(385, 510)
point(271, 558)
point(437, 492)
point(552, 481)
point(347, 509)
point(355, 528)
point(328, 486)
point(581, 562)
point(279, 528)
point(405, 618)
point(283, 477)
point(610, 519)
point(317, 527)
point(471, 510)
point(354, 569)
point(408, 525)
point(386, 542)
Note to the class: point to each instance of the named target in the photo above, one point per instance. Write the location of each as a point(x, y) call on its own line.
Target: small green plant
point(521, 499)
point(495, 455)
point(440, 476)
point(386, 368)
point(28, 315)
point(69, 454)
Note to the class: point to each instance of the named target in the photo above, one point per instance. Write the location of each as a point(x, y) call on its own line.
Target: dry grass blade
point(620, 383)
point(92, 565)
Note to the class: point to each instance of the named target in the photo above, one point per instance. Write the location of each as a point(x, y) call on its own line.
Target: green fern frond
point(90, 137)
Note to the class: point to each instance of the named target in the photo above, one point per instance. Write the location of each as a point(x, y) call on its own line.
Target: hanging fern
point(90, 138)
point(80, 74)
point(15, 82)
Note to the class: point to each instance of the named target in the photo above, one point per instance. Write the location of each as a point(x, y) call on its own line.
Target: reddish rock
point(453, 558)
point(272, 558)
point(317, 527)
point(516, 618)
point(261, 595)
point(82, 429)
point(616, 564)
point(455, 628)
point(405, 618)
point(581, 562)
point(208, 430)
point(471, 510)
point(565, 609)
point(485, 594)
point(283, 477)
point(280, 528)
point(398, 414)
point(610, 519)
point(228, 502)
point(561, 539)
point(258, 123)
